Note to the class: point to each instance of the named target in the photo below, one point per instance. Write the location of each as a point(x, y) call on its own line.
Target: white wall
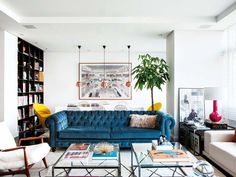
point(10, 82)
point(170, 48)
point(1, 75)
point(61, 75)
point(198, 62)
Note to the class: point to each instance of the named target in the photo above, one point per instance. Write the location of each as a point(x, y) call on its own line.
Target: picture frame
point(116, 76)
point(191, 105)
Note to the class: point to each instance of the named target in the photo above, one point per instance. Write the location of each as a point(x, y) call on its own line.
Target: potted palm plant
point(151, 72)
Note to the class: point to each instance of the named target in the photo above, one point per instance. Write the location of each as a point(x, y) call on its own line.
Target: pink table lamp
point(214, 93)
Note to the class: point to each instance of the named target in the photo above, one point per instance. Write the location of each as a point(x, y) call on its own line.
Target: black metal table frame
point(139, 166)
point(89, 169)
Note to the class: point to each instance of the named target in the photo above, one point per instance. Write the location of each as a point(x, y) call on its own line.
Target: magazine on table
point(79, 147)
point(76, 154)
point(176, 155)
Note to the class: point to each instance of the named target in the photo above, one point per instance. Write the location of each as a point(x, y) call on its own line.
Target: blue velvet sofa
point(68, 127)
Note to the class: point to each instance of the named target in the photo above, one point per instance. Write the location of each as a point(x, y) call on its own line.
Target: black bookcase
point(30, 86)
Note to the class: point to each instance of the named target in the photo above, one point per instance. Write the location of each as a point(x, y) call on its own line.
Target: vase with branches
point(150, 73)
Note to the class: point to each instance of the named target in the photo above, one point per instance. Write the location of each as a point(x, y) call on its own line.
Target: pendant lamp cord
point(128, 61)
point(104, 62)
point(79, 46)
point(78, 82)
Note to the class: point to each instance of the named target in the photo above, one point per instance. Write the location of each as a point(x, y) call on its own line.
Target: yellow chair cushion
point(42, 112)
point(157, 107)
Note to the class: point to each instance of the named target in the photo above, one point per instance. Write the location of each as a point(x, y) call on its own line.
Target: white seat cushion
point(225, 153)
point(6, 139)
point(15, 159)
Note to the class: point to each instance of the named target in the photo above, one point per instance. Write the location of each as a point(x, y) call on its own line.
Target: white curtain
point(230, 56)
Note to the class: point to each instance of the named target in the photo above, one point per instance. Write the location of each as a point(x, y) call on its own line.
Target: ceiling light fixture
point(29, 26)
point(128, 83)
point(78, 83)
point(104, 83)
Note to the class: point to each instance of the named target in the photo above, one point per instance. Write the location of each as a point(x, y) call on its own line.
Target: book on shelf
point(30, 88)
point(76, 155)
point(30, 99)
point(23, 113)
point(24, 126)
point(19, 114)
point(41, 78)
point(22, 100)
point(109, 156)
point(31, 111)
point(36, 76)
point(38, 87)
point(36, 99)
point(40, 99)
point(79, 147)
point(176, 155)
point(25, 53)
point(24, 75)
point(24, 87)
point(163, 146)
point(30, 76)
point(36, 66)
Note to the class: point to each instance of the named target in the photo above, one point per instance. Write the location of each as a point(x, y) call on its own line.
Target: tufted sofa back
point(108, 119)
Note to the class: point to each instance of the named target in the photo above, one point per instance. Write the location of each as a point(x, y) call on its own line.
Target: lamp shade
point(214, 93)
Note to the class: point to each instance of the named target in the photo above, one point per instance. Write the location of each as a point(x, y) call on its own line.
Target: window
point(230, 55)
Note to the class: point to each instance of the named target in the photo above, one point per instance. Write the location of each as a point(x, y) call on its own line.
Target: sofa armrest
point(167, 123)
point(217, 136)
point(55, 123)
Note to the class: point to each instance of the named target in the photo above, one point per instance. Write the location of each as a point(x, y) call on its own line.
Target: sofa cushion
point(224, 153)
point(134, 133)
point(15, 159)
point(84, 133)
point(143, 121)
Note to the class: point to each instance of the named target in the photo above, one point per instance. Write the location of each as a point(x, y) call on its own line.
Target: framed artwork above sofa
point(107, 81)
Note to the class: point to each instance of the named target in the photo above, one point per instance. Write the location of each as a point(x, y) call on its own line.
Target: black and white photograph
point(191, 104)
point(104, 81)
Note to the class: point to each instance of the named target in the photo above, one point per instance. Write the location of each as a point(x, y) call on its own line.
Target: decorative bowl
point(103, 148)
point(203, 169)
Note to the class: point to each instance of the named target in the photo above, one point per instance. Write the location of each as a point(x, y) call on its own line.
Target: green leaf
point(151, 72)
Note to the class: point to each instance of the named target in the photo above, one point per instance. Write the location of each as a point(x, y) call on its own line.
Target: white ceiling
point(116, 8)
point(63, 24)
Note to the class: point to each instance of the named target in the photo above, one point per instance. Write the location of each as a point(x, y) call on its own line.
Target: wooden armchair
point(18, 160)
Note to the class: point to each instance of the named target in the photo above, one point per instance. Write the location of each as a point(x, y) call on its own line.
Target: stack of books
point(77, 151)
point(108, 156)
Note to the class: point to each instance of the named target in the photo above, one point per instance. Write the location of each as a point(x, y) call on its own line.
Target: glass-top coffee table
point(88, 166)
point(140, 160)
